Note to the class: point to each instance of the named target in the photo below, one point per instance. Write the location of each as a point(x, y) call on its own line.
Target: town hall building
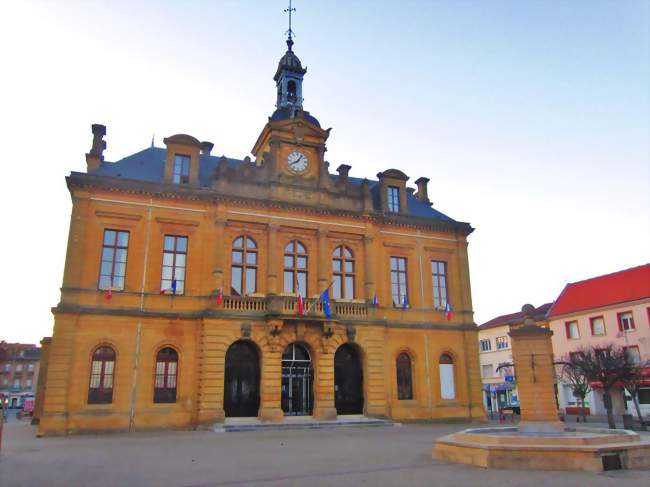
point(199, 288)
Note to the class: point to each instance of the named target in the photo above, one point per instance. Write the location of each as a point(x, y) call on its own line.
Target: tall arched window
point(447, 385)
point(100, 390)
point(404, 377)
point(166, 374)
point(343, 273)
point(244, 266)
point(295, 268)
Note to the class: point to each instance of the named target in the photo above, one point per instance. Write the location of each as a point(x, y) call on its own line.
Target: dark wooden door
point(348, 381)
point(242, 381)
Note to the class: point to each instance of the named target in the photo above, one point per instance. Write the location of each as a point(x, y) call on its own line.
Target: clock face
point(297, 162)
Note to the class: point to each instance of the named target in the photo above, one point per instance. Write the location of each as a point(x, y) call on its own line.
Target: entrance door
point(242, 381)
point(297, 380)
point(348, 381)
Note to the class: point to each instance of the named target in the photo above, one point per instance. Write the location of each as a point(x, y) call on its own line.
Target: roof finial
point(290, 32)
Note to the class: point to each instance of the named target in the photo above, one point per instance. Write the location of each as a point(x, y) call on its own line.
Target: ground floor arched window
point(100, 389)
point(404, 377)
point(447, 384)
point(166, 375)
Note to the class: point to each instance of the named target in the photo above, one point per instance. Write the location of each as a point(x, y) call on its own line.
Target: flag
point(172, 288)
point(405, 301)
point(325, 298)
point(300, 305)
point(109, 292)
point(219, 299)
point(374, 300)
point(448, 310)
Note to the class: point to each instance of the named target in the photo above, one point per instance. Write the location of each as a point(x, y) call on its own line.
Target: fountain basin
point(583, 449)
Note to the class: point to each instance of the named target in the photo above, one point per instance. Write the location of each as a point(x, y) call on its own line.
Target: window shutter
point(620, 323)
point(566, 330)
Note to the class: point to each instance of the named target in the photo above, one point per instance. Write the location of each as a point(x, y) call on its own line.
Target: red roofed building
point(613, 308)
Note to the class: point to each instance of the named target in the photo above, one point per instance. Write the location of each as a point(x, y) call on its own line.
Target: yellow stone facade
point(265, 200)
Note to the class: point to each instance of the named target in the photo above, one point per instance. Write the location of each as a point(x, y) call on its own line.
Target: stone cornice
point(74, 309)
point(209, 195)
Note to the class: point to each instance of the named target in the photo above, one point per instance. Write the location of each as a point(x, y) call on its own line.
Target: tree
point(632, 386)
point(607, 366)
point(577, 382)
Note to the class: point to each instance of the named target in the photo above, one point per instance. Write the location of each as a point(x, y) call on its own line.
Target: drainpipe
point(138, 333)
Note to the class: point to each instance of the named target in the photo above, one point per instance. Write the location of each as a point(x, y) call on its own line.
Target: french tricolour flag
point(448, 310)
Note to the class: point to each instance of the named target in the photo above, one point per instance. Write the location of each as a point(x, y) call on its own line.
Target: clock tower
point(291, 147)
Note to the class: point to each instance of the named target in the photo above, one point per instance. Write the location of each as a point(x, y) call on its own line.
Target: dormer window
point(181, 174)
point(393, 199)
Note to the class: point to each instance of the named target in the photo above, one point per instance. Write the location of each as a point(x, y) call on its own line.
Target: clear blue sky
point(530, 118)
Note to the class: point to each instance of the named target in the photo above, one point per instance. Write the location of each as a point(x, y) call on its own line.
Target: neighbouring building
point(181, 303)
point(609, 309)
point(495, 358)
point(19, 367)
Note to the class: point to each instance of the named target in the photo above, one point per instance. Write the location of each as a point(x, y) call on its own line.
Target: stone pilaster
point(220, 254)
point(271, 382)
point(369, 281)
point(212, 359)
point(372, 341)
point(272, 259)
point(54, 418)
point(474, 386)
point(323, 260)
point(324, 408)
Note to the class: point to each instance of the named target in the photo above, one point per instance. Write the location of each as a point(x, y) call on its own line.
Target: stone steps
point(298, 423)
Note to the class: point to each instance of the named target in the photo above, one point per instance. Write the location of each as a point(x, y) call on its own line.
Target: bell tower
point(288, 76)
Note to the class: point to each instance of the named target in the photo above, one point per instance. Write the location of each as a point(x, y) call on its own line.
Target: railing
point(314, 307)
point(244, 303)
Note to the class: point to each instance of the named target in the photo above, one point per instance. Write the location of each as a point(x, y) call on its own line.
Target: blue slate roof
point(149, 165)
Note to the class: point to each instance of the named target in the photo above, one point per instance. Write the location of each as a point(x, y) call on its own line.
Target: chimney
point(95, 157)
point(410, 191)
point(206, 148)
point(422, 190)
point(343, 171)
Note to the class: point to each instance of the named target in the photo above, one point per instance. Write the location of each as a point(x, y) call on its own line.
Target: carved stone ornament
point(299, 132)
point(351, 332)
point(246, 329)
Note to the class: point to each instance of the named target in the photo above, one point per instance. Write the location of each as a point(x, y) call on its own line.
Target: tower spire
point(290, 32)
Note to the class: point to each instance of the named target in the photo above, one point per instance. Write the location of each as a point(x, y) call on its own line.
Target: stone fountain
point(541, 441)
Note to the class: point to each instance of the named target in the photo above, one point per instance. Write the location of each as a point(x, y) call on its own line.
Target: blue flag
point(325, 298)
point(374, 301)
point(174, 286)
point(405, 301)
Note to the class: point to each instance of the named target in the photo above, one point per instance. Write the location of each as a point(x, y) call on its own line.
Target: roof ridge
point(608, 274)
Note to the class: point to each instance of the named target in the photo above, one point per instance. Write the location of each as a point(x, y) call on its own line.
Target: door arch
point(242, 380)
point(348, 380)
point(297, 381)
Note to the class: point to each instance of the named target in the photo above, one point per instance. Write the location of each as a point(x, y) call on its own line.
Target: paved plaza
point(379, 456)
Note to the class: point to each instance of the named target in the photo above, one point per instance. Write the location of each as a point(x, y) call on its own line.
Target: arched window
point(100, 390)
point(166, 373)
point(244, 266)
point(343, 273)
point(447, 386)
point(295, 268)
point(291, 90)
point(404, 377)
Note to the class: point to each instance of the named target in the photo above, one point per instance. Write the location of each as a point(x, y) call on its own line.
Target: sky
point(531, 119)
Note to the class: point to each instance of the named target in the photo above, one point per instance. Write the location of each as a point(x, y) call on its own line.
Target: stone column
point(272, 258)
point(220, 254)
point(369, 281)
point(532, 353)
point(323, 259)
point(271, 381)
point(324, 408)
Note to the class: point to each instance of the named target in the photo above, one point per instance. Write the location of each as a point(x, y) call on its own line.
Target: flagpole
point(314, 303)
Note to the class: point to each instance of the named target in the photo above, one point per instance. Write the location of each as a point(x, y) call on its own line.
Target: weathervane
point(290, 32)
